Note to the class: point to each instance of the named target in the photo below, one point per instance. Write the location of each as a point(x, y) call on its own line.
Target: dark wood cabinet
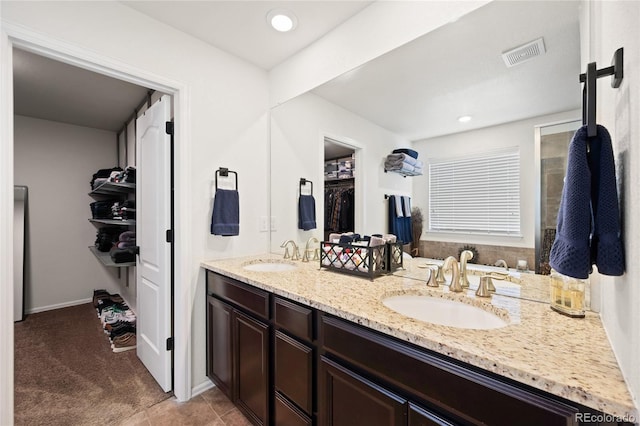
point(286, 414)
point(348, 399)
point(238, 345)
point(419, 416)
point(219, 344)
point(252, 361)
point(461, 392)
point(293, 373)
point(286, 364)
point(294, 359)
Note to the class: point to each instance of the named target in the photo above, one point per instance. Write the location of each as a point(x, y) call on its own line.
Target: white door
point(153, 219)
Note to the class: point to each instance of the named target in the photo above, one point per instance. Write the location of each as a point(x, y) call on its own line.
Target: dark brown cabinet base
point(238, 346)
point(286, 364)
point(347, 399)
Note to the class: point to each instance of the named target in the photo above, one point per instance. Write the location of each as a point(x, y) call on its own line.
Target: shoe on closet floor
point(99, 295)
point(119, 331)
point(109, 327)
point(126, 342)
point(114, 317)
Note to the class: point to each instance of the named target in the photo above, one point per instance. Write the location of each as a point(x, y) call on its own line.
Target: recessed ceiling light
point(282, 20)
point(464, 118)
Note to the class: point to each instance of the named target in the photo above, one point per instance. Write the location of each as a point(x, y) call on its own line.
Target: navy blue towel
point(225, 219)
point(400, 226)
point(410, 152)
point(588, 231)
point(306, 212)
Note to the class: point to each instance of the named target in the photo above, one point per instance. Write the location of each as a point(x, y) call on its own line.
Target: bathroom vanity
point(304, 346)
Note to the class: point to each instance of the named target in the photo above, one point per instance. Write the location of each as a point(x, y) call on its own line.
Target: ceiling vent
point(524, 53)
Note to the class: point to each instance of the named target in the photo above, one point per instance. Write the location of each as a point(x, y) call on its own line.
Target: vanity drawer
point(287, 415)
point(294, 371)
point(296, 319)
point(440, 382)
point(244, 296)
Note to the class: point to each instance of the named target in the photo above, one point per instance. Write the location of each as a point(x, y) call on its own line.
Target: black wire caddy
point(589, 90)
point(360, 259)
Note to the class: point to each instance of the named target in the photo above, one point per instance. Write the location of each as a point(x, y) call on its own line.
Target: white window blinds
point(477, 194)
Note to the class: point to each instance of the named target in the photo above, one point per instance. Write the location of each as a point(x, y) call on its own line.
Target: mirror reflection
point(512, 67)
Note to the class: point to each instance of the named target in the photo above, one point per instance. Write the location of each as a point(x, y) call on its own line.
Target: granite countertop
point(567, 357)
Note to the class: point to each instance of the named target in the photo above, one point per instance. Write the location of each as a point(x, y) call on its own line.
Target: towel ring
point(303, 182)
point(224, 172)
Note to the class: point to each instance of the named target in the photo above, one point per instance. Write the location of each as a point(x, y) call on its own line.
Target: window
point(477, 194)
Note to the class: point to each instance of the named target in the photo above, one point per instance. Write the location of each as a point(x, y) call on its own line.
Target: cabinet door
point(419, 416)
point(293, 373)
point(288, 415)
point(348, 399)
point(252, 361)
point(219, 344)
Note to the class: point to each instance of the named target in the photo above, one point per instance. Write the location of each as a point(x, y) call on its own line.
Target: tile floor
point(210, 408)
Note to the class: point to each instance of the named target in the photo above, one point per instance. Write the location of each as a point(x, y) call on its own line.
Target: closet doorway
point(340, 203)
point(69, 113)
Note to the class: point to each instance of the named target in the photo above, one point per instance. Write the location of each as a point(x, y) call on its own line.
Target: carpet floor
point(67, 374)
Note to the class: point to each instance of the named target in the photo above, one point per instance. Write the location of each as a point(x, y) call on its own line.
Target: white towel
point(389, 238)
point(398, 202)
point(376, 241)
point(406, 202)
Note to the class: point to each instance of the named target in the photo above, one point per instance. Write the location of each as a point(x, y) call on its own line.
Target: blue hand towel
point(588, 230)
point(225, 219)
point(306, 212)
point(400, 226)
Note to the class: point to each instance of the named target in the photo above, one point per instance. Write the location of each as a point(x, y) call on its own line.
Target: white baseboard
point(58, 306)
point(202, 387)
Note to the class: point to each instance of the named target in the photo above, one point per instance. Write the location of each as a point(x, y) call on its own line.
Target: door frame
point(16, 36)
point(358, 148)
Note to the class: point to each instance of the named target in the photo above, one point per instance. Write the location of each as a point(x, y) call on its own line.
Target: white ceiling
point(417, 90)
point(420, 89)
point(52, 90)
point(241, 28)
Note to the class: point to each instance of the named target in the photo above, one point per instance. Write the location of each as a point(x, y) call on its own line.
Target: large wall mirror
point(412, 97)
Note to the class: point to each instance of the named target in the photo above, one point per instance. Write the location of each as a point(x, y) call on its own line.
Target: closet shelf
point(110, 188)
point(402, 173)
point(130, 222)
point(105, 259)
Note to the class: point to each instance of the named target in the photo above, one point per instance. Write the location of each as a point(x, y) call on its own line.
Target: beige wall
point(56, 161)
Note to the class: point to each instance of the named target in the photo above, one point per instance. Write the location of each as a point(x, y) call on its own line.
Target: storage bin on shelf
point(359, 259)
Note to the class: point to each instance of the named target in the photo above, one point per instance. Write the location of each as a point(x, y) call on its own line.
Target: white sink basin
point(269, 267)
point(441, 311)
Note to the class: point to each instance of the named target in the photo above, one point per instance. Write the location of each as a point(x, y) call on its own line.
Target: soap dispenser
point(568, 295)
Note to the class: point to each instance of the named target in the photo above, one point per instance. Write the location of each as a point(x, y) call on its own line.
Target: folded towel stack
point(125, 249)
point(404, 161)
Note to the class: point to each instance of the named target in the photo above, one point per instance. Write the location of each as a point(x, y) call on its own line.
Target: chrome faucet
point(316, 251)
point(450, 263)
point(464, 257)
point(501, 262)
point(296, 252)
